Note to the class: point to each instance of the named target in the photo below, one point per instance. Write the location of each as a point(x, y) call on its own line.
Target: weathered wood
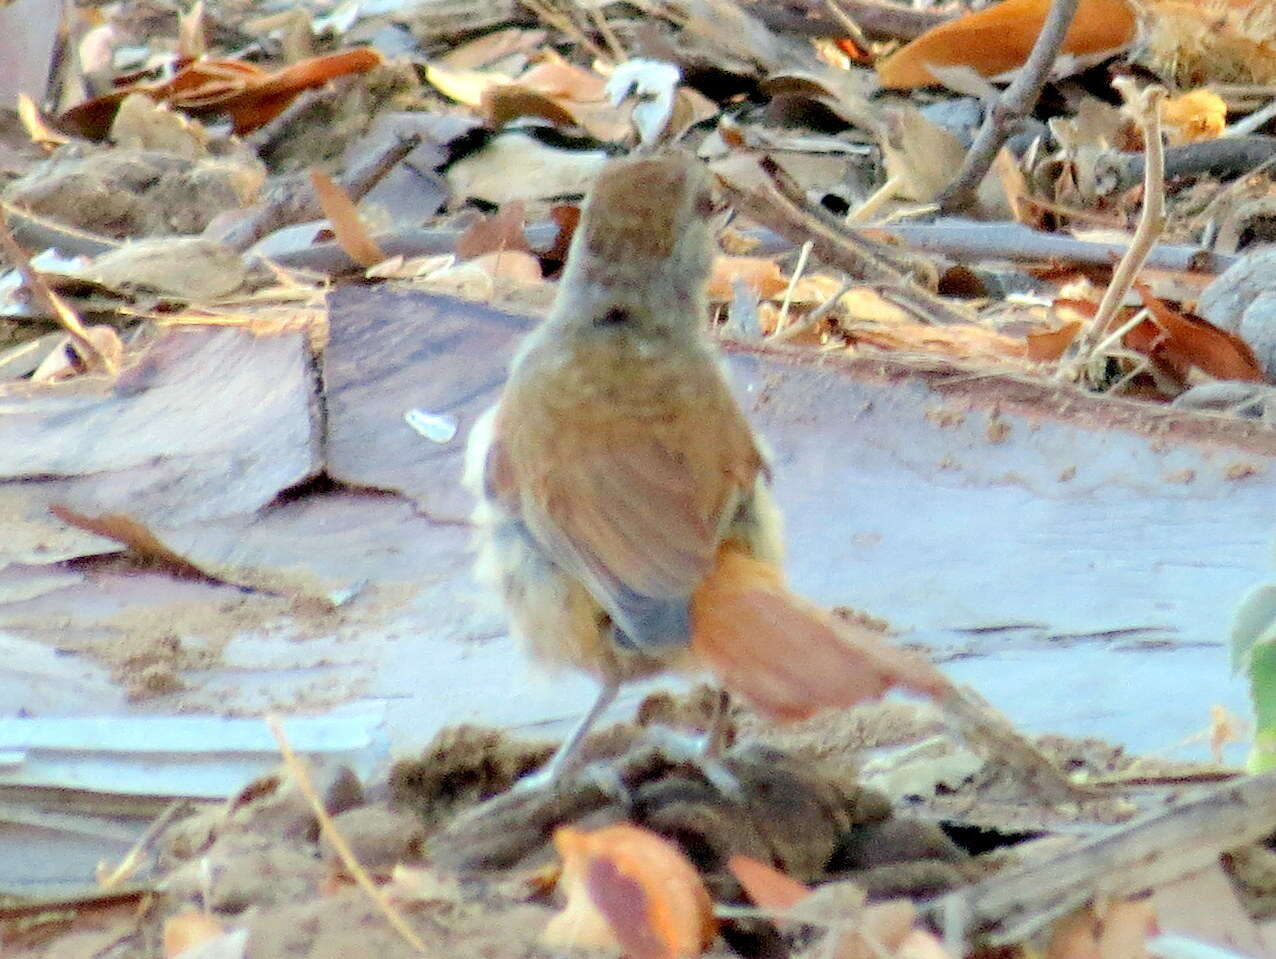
point(1151, 851)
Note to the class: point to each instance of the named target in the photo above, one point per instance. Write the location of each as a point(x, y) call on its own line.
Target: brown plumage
point(625, 512)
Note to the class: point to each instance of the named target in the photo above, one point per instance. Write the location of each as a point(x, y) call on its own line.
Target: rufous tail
point(787, 657)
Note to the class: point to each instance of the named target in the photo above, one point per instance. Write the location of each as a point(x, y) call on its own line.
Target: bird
point(624, 507)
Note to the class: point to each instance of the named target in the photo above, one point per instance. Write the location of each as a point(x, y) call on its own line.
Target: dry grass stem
point(114, 878)
point(95, 359)
point(765, 193)
point(847, 23)
point(1151, 223)
point(567, 26)
point(813, 318)
point(301, 777)
point(605, 31)
point(803, 255)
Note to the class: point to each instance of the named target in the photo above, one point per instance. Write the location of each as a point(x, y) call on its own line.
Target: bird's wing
point(634, 509)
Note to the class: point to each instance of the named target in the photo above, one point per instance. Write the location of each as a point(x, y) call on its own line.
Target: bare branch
point(1016, 102)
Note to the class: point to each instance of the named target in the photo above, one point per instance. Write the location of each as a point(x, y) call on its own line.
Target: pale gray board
point(211, 422)
point(202, 757)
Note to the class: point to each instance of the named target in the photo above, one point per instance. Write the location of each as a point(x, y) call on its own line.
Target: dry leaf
point(126, 530)
point(864, 305)
point(502, 230)
point(632, 890)
point(463, 86)
point(999, 38)
point(491, 48)
point(1194, 116)
point(501, 103)
point(188, 929)
point(1048, 346)
point(1185, 341)
point(768, 887)
point(921, 154)
point(249, 95)
point(759, 274)
point(566, 216)
point(413, 885)
point(346, 223)
point(555, 77)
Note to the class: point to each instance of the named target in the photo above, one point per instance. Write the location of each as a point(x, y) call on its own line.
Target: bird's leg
point(568, 753)
point(678, 747)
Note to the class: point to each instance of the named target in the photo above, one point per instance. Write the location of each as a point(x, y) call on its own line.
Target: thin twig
point(840, 16)
point(94, 357)
point(813, 318)
point(803, 255)
point(1015, 104)
point(618, 53)
point(302, 778)
point(764, 192)
point(567, 26)
point(1252, 123)
point(109, 881)
point(879, 198)
point(1151, 223)
point(1223, 158)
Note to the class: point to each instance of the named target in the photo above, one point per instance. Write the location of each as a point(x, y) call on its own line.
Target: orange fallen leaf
point(343, 216)
point(1049, 345)
point(555, 77)
point(961, 341)
point(566, 216)
point(1194, 116)
point(502, 230)
point(1185, 341)
point(761, 275)
point(188, 929)
point(630, 889)
point(999, 38)
point(126, 530)
point(246, 93)
point(765, 885)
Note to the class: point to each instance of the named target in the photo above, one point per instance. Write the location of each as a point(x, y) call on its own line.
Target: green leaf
point(1255, 623)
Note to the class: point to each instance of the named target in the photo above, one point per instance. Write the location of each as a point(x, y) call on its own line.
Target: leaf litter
point(209, 421)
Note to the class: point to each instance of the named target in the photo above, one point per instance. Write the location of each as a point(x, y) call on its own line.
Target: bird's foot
point(700, 752)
